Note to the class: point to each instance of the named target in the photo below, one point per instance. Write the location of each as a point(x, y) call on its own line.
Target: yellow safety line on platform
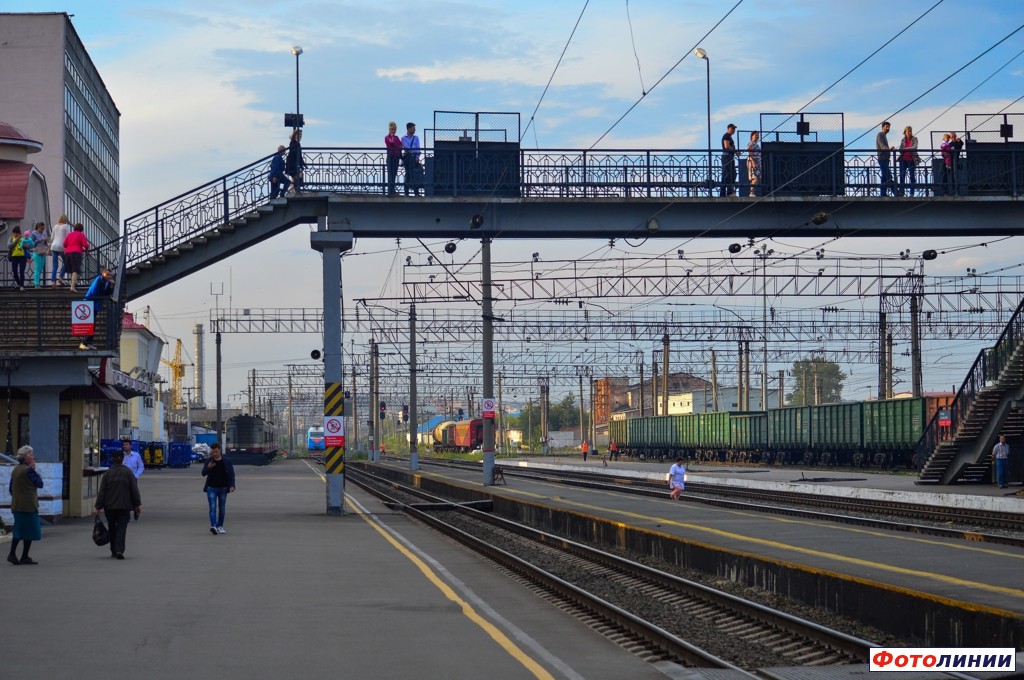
point(514, 651)
point(942, 578)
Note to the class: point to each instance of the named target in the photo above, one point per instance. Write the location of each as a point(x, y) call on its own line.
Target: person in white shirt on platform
point(132, 460)
point(1001, 452)
point(677, 478)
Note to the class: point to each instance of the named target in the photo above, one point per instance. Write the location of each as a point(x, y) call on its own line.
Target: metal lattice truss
point(452, 326)
point(575, 280)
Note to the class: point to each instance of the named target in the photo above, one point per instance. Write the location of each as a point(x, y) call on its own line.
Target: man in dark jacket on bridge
point(279, 182)
point(117, 497)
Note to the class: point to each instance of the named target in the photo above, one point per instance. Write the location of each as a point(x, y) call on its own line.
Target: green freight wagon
point(892, 427)
point(688, 432)
point(715, 433)
point(749, 436)
point(836, 431)
point(789, 432)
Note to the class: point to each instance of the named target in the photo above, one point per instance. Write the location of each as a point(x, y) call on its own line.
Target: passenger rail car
point(250, 440)
point(881, 433)
point(315, 439)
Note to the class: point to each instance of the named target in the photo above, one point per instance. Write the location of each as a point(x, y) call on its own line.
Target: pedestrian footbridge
point(546, 194)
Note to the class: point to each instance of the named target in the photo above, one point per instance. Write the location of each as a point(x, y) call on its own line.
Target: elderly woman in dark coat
point(24, 487)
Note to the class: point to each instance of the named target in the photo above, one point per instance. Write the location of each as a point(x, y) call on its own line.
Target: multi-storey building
point(54, 94)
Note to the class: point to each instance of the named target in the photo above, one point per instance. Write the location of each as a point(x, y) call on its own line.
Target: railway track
point(646, 610)
point(966, 524)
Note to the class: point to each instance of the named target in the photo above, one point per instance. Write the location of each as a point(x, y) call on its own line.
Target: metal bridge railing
point(554, 173)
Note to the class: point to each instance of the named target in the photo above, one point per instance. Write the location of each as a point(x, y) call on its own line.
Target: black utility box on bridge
point(474, 154)
point(804, 162)
point(995, 161)
point(476, 169)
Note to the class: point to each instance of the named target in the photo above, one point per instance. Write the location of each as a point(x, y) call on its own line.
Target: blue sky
point(202, 87)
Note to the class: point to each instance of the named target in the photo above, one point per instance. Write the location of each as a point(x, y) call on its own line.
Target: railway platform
point(868, 484)
point(288, 592)
point(966, 575)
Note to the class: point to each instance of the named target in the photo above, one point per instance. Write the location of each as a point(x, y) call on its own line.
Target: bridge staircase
point(989, 403)
point(203, 226)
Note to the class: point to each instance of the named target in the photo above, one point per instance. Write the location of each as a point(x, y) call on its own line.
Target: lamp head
point(735, 248)
point(700, 53)
point(296, 50)
point(476, 221)
point(449, 247)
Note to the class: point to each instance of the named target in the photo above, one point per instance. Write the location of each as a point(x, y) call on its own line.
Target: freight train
point(251, 440)
point(458, 436)
point(883, 434)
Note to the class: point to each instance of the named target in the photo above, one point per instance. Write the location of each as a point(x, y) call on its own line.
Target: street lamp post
point(296, 50)
point(763, 253)
point(702, 54)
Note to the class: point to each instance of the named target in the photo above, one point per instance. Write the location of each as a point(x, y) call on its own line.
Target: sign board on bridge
point(83, 320)
point(334, 431)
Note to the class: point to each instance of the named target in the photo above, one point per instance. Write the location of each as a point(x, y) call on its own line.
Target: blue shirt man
point(411, 160)
point(102, 287)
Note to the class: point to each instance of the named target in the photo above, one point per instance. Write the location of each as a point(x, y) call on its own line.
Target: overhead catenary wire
point(530, 123)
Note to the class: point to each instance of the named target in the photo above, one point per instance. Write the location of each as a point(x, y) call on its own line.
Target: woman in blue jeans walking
point(220, 481)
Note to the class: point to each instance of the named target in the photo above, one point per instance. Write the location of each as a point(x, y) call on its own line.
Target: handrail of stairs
point(986, 369)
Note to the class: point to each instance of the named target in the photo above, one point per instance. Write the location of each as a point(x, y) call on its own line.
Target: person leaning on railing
point(101, 289)
point(75, 246)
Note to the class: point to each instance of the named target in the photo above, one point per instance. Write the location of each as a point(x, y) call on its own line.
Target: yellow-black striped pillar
point(334, 428)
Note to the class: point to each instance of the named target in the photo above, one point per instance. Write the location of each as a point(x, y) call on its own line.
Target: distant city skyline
point(202, 89)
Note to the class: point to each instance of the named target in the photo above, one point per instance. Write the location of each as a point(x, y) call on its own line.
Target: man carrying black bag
point(117, 497)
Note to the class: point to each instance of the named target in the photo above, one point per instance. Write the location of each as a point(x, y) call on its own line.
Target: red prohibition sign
point(83, 311)
point(333, 426)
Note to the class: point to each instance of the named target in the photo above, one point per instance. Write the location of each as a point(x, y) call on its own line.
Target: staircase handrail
point(987, 367)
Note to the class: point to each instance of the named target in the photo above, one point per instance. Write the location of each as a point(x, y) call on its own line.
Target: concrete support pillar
point(44, 425)
point(332, 244)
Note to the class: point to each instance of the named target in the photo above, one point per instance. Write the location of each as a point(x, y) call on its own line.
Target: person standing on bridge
point(39, 252)
point(909, 160)
point(1001, 453)
point(279, 182)
point(17, 255)
point(883, 151)
point(117, 497)
point(754, 162)
point(393, 144)
point(728, 162)
point(58, 233)
point(295, 165)
point(75, 246)
point(411, 160)
point(220, 481)
point(677, 478)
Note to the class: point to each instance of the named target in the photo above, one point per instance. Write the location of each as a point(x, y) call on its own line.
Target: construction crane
point(177, 374)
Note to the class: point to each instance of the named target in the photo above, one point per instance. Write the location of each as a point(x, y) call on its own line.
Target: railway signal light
point(405, 413)
point(461, 413)
point(383, 410)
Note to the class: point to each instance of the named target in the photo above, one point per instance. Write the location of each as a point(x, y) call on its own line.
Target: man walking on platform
point(220, 481)
point(1001, 452)
point(117, 497)
point(132, 460)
